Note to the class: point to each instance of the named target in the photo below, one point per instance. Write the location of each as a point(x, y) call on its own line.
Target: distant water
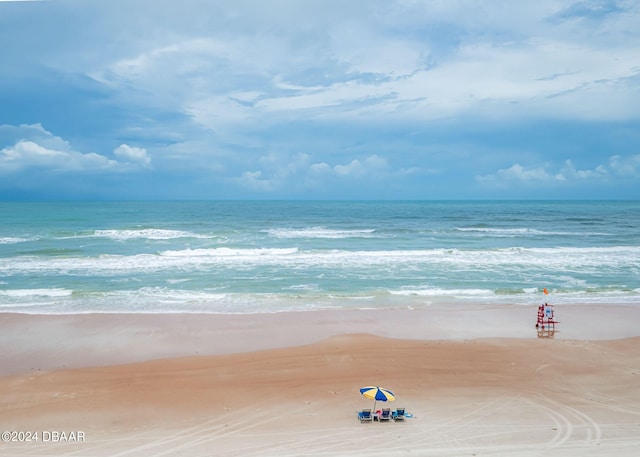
point(245, 257)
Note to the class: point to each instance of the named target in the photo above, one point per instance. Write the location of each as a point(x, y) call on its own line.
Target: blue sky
point(290, 99)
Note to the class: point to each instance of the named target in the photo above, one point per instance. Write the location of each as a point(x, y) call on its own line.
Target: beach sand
point(476, 379)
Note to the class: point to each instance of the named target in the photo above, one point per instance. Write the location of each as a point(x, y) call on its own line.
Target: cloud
point(27, 154)
point(519, 173)
point(279, 171)
point(626, 166)
point(569, 172)
point(321, 167)
point(594, 9)
point(254, 181)
point(133, 154)
point(618, 167)
point(10, 134)
point(373, 61)
point(535, 78)
point(298, 173)
point(355, 168)
point(510, 61)
point(36, 148)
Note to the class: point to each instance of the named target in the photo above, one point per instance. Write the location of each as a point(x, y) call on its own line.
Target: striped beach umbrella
point(376, 394)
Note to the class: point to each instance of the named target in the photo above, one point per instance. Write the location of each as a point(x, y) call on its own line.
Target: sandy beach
point(476, 380)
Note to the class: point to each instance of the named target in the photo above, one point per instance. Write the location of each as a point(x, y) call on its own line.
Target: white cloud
point(506, 60)
point(400, 59)
point(32, 152)
point(220, 112)
point(519, 173)
point(36, 148)
point(12, 134)
point(571, 173)
point(27, 154)
point(363, 50)
point(296, 172)
point(626, 166)
point(254, 181)
point(321, 167)
point(375, 162)
point(355, 168)
point(133, 154)
point(623, 167)
point(539, 77)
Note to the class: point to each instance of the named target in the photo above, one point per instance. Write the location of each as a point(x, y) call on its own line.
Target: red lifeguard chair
point(546, 323)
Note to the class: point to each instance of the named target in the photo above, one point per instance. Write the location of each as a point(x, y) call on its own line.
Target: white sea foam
point(178, 281)
point(168, 295)
point(21, 293)
point(304, 287)
point(37, 307)
point(231, 252)
point(438, 292)
point(148, 233)
point(13, 240)
point(320, 232)
point(523, 231)
point(551, 259)
point(166, 299)
point(525, 296)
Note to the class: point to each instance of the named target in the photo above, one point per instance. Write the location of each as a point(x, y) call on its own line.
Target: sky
point(293, 99)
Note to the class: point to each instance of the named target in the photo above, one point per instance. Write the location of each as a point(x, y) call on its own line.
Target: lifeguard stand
point(546, 323)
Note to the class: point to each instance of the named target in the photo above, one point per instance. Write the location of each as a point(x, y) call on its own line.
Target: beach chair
point(385, 415)
point(365, 415)
point(398, 414)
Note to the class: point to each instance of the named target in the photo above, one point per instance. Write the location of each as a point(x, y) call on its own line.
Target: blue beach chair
point(365, 415)
point(398, 414)
point(385, 415)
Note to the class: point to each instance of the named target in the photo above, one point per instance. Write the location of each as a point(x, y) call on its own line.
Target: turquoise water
point(242, 257)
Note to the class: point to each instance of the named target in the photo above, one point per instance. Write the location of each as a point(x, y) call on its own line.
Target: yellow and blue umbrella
point(377, 394)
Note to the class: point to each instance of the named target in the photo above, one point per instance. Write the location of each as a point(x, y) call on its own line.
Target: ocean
point(273, 256)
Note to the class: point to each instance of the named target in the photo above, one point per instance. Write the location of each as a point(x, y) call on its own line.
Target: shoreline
point(287, 384)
